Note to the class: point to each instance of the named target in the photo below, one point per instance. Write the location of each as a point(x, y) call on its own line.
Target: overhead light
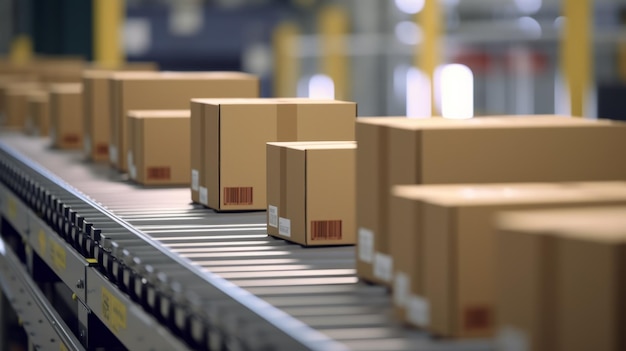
point(418, 94)
point(528, 6)
point(454, 84)
point(408, 32)
point(410, 6)
point(321, 87)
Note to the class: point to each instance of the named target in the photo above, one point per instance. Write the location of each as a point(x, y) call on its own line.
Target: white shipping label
point(284, 226)
point(417, 311)
point(401, 289)
point(366, 245)
point(131, 164)
point(511, 339)
point(272, 212)
point(194, 179)
point(204, 196)
point(87, 145)
point(53, 135)
point(113, 153)
point(383, 267)
point(133, 172)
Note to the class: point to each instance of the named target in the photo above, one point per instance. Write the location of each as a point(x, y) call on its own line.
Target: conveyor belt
point(215, 280)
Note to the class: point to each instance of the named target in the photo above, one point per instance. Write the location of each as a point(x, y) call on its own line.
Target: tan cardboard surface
point(66, 122)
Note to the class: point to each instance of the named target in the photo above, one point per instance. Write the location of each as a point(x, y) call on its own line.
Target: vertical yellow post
point(21, 50)
point(428, 54)
point(333, 25)
point(108, 17)
point(286, 63)
point(576, 53)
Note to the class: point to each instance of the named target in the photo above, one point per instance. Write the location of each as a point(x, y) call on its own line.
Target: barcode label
point(113, 153)
point(272, 212)
point(102, 149)
point(238, 196)
point(284, 226)
point(194, 179)
point(326, 230)
point(133, 172)
point(158, 173)
point(71, 139)
point(130, 163)
point(366, 245)
point(204, 196)
point(417, 311)
point(401, 289)
point(383, 267)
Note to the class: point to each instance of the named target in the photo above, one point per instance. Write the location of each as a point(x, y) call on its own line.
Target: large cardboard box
point(482, 150)
point(561, 282)
point(97, 114)
point(167, 90)
point(158, 152)
point(66, 122)
point(300, 188)
point(233, 174)
point(6, 80)
point(444, 244)
point(38, 117)
point(15, 98)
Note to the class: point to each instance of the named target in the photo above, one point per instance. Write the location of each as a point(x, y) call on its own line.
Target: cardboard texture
point(166, 90)
point(561, 282)
point(6, 80)
point(485, 150)
point(307, 204)
point(233, 174)
point(66, 122)
point(447, 251)
point(38, 117)
point(97, 106)
point(158, 153)
point(15, 101)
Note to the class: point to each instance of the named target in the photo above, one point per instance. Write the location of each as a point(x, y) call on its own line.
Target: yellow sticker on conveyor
point(11, 207)
point(41, 237)
point(113, 311)
point(62, 347)
point(57, 254)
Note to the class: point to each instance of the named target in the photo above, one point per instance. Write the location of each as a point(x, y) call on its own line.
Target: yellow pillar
point(428, 54)
point(286, 63)
point(21, 50)
point(108, 17)
point(576, 52)
point(333, 25)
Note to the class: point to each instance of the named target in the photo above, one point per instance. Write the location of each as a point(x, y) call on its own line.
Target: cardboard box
point(560, 280)
point(445, 246)
point(38, 117)
point(15, 97)
point(5, 82)
point(485, 150)
point(97, 115)
point(235, 159)
point(158, 152)
point(66, 122)
point(167, 90)
point(278, 171)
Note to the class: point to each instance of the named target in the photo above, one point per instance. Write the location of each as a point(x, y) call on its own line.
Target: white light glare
point(455, 91)
point(528, 6)
point(530, 26)
point(408, 32)
point(410, 6)
point(418, 94)
point(321, 87)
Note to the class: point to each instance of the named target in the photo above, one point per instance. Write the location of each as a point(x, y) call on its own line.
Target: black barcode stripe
point(326, 230)
point(238, 196)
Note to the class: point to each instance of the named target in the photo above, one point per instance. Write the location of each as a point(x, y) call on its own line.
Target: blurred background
point(456, 58)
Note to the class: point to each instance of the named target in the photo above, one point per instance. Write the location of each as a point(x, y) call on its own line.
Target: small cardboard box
point(166, 90)
point(159, 152)
point(277, 170)
point(445, 244)
point(233, 175)
point(318, 203)
point(484, 150)
point(15, 97)
point(561, 282)
point(38, 117)
point(6, 80)
point(66, 122)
